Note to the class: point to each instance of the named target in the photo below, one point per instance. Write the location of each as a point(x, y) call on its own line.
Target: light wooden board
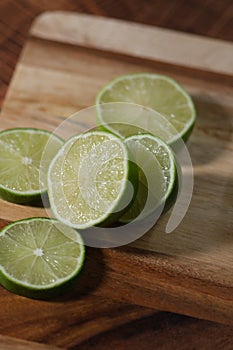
point(67, 59)
point(9, 343)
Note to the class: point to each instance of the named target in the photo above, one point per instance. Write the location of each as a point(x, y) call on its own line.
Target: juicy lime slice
point(23, 163)
point(39, 256)
point(172, 114)
point(157, 175)
point(90, 180)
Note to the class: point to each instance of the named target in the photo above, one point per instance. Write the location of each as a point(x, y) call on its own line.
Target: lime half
point(24, 164)
point(172, 114)
point(90, 180)
point(157, 175)
point(39, 256)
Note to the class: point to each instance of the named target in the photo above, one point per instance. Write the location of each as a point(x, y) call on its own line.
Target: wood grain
point(87, 321)
point(64, 322)
point(164, 331)
point(193, 52)
point(81, 320)
point(188, 271)
point(213, 18)
point(9, 343)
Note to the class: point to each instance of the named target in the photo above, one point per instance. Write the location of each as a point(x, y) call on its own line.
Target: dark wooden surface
point(212, 18)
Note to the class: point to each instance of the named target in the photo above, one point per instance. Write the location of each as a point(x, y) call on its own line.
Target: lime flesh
point(23, 163)
point(88, 180)
point(157, 175)
point(170, 112)
point(39, 256)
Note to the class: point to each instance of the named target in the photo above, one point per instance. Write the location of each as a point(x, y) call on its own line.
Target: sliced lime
point(157, 175)
point(39, 256)
point(172, 114)
point(23, 163)
point(90, 180)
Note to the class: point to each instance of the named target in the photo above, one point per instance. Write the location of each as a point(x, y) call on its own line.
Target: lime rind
point(42, 291)
point(32, 195)
point(186, 131)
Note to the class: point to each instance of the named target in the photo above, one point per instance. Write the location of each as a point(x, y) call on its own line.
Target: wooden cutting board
point(67, 59)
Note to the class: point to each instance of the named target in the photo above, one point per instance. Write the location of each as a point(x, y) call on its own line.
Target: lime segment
point(88, 180)
point(23, 163)
point(174, 113)
point(39, 255)
point(157, 175)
